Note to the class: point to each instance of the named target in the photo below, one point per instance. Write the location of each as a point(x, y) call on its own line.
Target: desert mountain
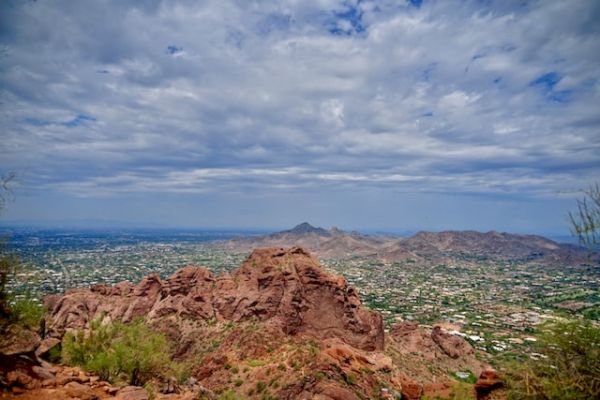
point(287, 288)
point(278, 327)
point(324, 243)
point(421, 247)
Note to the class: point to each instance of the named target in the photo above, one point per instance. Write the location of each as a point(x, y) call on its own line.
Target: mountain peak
point(305, 228)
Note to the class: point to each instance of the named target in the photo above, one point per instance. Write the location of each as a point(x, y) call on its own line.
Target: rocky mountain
point(422, 247)
point(277, 327)
point(287, 288)
point(324, 243)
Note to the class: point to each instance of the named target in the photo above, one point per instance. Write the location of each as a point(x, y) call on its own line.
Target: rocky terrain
point(277, 327)
point(423, 247)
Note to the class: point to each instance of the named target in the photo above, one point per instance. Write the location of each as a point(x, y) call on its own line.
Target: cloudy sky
point(372, 114)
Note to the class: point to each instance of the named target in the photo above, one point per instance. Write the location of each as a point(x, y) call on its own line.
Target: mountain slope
point(436, 247)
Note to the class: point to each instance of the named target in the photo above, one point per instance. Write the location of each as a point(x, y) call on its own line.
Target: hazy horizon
point(103, 225)
point(363, 114)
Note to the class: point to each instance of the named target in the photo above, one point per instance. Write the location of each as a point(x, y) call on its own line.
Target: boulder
point(45, 346)
point(488, 381)
point(77, 390)
point(18, 340)
point(132, 393)
point(453, 346)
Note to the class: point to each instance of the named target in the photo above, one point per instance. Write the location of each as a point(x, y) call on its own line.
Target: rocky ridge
point(286, 287)
point(431, 247)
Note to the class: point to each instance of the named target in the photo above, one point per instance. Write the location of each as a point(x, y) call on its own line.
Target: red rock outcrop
point(488, 381)
point(453, 346)
point(426, 355)
point(286, 286)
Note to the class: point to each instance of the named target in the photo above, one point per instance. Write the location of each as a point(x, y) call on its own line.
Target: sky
point(389, 115)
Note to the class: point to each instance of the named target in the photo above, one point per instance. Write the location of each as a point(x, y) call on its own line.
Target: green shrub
point(350, 379)
point(260, 386)
point(27, 312)
point(23, 309)
point(229, 395)
point(182, 371)
point(256, 363)
point(132, 351)
point(568, 369)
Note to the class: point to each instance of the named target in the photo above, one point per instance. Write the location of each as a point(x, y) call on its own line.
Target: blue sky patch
point(79, 120)
point(172, 49)
point(36, 122)
point(347, 22)
point(546, 81)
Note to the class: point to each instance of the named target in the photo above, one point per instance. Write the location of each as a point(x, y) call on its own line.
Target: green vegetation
point(350, 379)
point(462, 391)
point(117, 351)
point(568, 366)
point(21, 309)
point(260, 386)
point(27, 312)
point(256, 363)
point(229, 395)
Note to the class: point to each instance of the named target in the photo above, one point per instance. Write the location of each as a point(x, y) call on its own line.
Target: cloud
point(434, 96)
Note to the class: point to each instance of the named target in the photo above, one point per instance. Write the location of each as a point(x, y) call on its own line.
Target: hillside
point(421, 247)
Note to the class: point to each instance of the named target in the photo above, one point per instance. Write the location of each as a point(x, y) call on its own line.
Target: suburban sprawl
point(496, 306)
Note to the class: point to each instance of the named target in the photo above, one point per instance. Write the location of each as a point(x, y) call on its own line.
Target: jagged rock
point(77, 390)
point(48, 383)
point(453, 346)
point(46, 345)
point(411, 390)
point(487, 382)
point(18, 378)
point(331, 391)
point(132, 393)
point(287, 286)
point(42, 373)
point(111, 390)
point(18, 340)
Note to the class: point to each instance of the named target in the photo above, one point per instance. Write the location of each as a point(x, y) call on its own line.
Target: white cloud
point(444, 91)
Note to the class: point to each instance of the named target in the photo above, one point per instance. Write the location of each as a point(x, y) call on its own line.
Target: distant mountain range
point(421, 247)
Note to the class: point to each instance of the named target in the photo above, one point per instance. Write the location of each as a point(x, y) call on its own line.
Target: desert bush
point(569, 367)
point(16, 308)
point(133, 352)
point(27, 312)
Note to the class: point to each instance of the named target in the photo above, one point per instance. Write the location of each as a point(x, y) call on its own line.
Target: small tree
point(116, 351)
point(585, 223)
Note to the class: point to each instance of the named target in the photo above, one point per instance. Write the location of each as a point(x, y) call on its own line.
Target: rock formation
point(286, 287)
